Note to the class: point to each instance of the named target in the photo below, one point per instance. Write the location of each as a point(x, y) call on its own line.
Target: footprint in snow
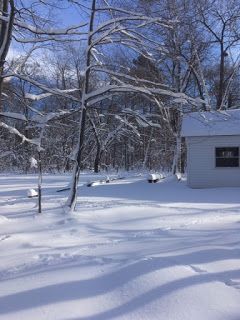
point(61, 222)
point(74, 231)
point(6, 236)
point(197, 269)
point(233, 283)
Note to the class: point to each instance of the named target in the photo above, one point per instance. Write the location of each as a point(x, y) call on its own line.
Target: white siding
point(201, 169)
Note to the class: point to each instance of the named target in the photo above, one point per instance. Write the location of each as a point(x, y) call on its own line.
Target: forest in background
point(110, 91)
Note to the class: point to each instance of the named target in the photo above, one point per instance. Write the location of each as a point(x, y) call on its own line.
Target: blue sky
point(64, 14)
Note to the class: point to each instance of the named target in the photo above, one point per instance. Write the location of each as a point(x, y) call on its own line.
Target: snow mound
point(32, 193)
point(154, 177)
point(3, 219)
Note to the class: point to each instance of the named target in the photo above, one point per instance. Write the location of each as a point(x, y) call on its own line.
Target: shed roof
point(211, 123)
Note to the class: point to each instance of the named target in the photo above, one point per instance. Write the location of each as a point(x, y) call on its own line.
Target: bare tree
point(125, 29)
point(221, 21)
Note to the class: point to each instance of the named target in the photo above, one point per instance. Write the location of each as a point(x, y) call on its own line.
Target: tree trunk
point(126, 160)
point(39, 183)
point(5, 36)
point(221, 78)
point(72, 199)
point(97, 159)
point(147, 150)
point(177, 156)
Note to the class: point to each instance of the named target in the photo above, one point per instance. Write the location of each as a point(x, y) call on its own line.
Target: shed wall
point(201, 166)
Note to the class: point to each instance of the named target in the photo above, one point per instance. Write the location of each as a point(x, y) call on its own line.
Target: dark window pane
point(227, 157)
point(222, 162)
point(227, 152)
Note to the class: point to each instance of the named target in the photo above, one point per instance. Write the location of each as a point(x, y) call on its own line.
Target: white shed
point(213, 143)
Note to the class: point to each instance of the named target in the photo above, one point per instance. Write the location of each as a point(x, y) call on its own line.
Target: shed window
point(227, 157)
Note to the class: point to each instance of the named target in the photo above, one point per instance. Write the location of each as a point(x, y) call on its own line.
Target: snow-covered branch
point(49, 91)
point(19, 134)
point(72, 30)
point(128, 77)
point(177, 97)
point(13, 115)
point(145, 20)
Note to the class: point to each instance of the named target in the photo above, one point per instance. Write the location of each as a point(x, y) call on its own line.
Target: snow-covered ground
point(132, 250)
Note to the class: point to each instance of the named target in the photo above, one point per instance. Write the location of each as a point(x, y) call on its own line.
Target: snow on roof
point(211, 123)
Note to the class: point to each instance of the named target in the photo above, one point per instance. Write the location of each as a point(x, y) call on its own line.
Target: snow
point(197, 124)
point(13, 115)
point(37, 97)
point(155, 176)
point(16, 132)
point(132, 250)
point(3, 219)
point(33, 162)
point(32, 193)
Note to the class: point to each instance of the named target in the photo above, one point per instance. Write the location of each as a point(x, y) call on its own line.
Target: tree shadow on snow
point(82, 289)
